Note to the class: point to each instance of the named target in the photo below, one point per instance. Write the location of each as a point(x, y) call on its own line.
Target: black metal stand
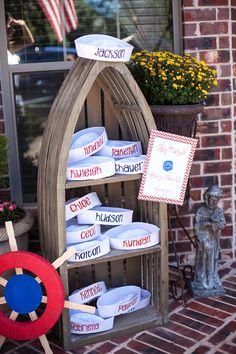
point(184, 273)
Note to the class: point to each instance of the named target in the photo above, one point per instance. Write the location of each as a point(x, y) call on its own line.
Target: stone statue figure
point(208, 223)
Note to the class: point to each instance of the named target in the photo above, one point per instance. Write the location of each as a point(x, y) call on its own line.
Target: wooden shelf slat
point(96, 182)
point(115, 255)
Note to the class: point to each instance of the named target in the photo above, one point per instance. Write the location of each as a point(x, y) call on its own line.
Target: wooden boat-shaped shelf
point(97, 93)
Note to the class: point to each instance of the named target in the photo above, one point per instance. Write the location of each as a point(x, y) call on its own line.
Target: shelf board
point(95, 182)
point(123, 324)
point(115, 255)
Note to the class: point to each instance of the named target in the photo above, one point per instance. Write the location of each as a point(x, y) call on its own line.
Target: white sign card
point(167, 167)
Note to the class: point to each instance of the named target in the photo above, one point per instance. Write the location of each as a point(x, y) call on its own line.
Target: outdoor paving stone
point(189, 322)
point(124, 351)
point(8, 345)
point(223, 333)
point(173, 337)
point(160, 344)
point(210, 311)
point(143, 348)
point(230, 292)
point(218, 304)
point(228, 299)
point(119, 340)
point(203, 349)
point(228, 348)
point(202, 317)
point(106, 347)
point(231, 278)
point(185, 331)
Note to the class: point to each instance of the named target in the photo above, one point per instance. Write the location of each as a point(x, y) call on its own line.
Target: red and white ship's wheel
point(35, 281)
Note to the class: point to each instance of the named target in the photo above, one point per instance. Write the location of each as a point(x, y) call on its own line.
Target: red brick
point(189, 29)
point(195, 15)
point(226, 99)
point(225, 71)
point(121, 351)
point(189, 322)
point(195, 195)
point(213, 3)
point(227, 205)
point(185, 220)
point(181, 235)
point(173, 337)
point(204, 318)
point(187, 3)
point(233, 14)
point(226, 180)
point(228, 348)
point(218, 304)
point(223, 14)
point(223, 333)
point(227, 153)
point(223, 42)
point(233, 41)
point(207, 127)
point(225, 243)
point(226, 126)
point(207, 310)
point(207, 154)
point(213, 28)
point(224, 84)
point(195, 169)
point(233, 27)
point(181, 247)
point(217, 167)
point(2, 127)
point(202, 349)
point(214, 56)
point(204, 181)
point(216, 140)
point(159, 343)
point(139, 347)
point(200, 43)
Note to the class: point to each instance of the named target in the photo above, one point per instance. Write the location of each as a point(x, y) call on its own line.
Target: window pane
point(146, 24)
point(34, 94)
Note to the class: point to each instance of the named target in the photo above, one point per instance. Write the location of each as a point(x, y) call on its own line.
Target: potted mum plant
point(22, 220)
point(174, 86)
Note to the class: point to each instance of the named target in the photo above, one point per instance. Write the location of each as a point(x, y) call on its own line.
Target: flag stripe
point(61, 15)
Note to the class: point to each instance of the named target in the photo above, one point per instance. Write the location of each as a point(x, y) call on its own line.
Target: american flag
point(61, 16)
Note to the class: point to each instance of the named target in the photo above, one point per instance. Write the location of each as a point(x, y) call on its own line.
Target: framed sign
point(167, 167)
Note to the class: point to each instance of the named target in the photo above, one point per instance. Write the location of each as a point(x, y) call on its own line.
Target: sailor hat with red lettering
point(86, 142)
point(106, 216)
point(88, 293)
point(76, 233)
point(136, 235)
point(86, 323)
point(118, 301)
point(90, 250)
point(103, 47)
point(144, 301)
point(93, 167)
point(120, 149)
point(76, 206)
point(130, 165)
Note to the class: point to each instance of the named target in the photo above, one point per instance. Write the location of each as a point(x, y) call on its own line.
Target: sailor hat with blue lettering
point(102, 47)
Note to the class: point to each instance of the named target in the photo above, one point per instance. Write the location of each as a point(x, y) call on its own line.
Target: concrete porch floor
point(206, 325)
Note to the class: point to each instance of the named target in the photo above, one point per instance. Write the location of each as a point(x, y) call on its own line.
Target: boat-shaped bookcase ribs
point(96, 93)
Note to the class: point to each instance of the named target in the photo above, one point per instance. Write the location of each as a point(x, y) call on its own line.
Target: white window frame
point(7, 72)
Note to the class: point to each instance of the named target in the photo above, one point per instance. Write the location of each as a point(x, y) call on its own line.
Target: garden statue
point(209, 221)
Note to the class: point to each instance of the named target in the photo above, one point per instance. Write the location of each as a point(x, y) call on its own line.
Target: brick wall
point(207, 29)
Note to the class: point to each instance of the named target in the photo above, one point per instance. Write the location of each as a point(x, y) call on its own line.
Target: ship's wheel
point(34, 282)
